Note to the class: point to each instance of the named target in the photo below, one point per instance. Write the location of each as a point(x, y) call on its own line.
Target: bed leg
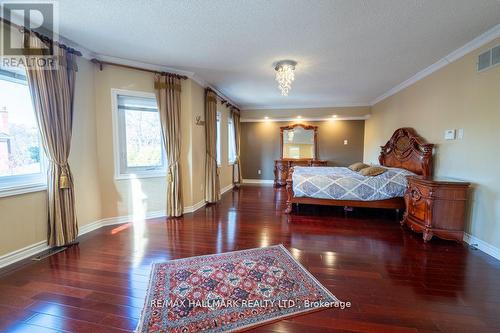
point(289, 192)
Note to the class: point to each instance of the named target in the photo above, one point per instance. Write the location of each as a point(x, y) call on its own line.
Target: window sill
point(22, 189)
point(140, 176)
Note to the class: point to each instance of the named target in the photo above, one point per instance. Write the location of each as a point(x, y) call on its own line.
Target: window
point(231, 144)
point(219, 156)
point(139, 148)
point(22, 161)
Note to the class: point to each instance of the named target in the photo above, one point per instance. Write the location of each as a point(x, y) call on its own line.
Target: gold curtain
point(52, 94)
point(237, 164)
point(168, 96)
point(212, 184)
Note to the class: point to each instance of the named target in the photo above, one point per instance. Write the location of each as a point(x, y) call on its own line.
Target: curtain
point(52, 93)
point(212, 185)
point(168, 96)
point(237, 164)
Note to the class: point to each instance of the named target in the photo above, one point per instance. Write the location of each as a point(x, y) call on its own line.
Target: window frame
point(218, 138)
point(231, 142)
point(121, 170)
point(27, 183)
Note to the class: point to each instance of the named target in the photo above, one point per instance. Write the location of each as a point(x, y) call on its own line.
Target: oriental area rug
point(230, 292)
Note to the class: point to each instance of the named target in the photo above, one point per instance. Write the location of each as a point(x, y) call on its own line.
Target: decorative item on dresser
point(436, 207)
point(298, 147)
point(283, 166)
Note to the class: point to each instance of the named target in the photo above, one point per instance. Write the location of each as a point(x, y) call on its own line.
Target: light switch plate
point(460, 134)
point(449, 134)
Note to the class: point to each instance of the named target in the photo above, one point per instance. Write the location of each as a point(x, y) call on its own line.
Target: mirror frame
point(306, 127)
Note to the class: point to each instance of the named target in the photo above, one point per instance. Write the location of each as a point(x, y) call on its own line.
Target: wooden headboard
point(407, 150)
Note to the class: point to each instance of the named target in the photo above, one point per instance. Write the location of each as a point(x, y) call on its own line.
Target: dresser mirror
point(299, 141)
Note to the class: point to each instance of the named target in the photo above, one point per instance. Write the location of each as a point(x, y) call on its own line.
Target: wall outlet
point(259, 172)
point(460, 134)
point(449, 134)
point(346, 142)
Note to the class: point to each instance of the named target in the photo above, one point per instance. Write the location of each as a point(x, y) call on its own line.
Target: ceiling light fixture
point(285, 75)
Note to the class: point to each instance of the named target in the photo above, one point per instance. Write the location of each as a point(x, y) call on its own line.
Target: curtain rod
point(222, 100)
point(42, 37)
point(101, 63)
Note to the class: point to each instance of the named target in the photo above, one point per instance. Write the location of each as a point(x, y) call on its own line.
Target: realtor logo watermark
point(40, 17)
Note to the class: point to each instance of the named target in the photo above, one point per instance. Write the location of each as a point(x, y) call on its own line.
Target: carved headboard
point(407, 150)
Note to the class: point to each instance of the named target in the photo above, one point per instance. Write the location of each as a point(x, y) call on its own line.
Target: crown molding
point(349, 104)
point(474, 44)
point(261, 120)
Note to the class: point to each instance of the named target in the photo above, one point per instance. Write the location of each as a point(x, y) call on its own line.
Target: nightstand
point(436, 207)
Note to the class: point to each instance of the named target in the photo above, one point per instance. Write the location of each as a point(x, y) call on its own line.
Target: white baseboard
point(25, 252)
point(258, 181)
point(226, 189)
point(31, 250)
point(482, 246)
point(195, 207)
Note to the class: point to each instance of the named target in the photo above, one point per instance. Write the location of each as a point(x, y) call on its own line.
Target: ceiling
point(349, 52)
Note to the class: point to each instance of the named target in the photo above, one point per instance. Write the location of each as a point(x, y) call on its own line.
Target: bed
point(406, 153)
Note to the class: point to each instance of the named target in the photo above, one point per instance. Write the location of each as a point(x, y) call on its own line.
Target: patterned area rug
point(230, 292)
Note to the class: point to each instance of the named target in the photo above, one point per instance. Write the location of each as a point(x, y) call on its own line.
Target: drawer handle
point(415, 195)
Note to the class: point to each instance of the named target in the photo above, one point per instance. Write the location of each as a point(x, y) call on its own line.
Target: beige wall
point(455, 96)
point(124, 196)
point(25, 216)
point(260, 144)
point(119, 196)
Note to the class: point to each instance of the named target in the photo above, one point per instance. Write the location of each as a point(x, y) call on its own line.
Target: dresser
point(436, 207)
point(282, 166)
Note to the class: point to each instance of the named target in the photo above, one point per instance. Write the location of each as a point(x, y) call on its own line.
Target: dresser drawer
point(417, 202)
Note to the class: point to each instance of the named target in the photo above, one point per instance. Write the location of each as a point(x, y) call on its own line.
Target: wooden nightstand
point(436, 207)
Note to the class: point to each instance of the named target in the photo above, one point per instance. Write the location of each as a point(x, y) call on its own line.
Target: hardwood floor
point(395, 282)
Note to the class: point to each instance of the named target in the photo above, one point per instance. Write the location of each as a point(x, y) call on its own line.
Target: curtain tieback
point(170, 176)
point(64, 175)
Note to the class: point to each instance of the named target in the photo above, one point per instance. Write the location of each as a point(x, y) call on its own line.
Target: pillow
point(372, 171)
point(358, 166)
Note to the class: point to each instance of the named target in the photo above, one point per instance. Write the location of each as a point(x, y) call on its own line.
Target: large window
point(218, 140)
point(139, 148)
point(22, 162)
point(231, 142)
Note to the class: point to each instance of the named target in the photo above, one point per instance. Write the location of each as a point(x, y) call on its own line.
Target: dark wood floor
point(395, 282)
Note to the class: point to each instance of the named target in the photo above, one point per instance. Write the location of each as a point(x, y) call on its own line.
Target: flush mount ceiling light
point(285, 75)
